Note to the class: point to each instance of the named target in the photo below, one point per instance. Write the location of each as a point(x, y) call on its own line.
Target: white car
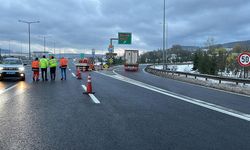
point(12, 68)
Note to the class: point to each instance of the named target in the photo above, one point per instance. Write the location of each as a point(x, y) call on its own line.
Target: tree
point(210, 44)
point(196, 59)
point(237, 49)
point(221, 59)
point(213, 69)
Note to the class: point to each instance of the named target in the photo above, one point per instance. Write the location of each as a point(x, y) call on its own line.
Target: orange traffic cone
point(89, 86)
point(78, 74)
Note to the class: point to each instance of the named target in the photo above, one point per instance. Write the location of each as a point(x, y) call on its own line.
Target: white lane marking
point(203, 86)
point(92, 96)
point(73, 74)
point(5, 90)
point(201, 103)
point(144, 70)
point(69, 69)
point(84, 87)
point(94, 99)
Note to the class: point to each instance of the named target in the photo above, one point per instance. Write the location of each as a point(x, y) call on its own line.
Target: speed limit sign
point(244, 59)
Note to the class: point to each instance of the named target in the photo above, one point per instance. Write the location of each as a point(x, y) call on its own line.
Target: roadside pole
point(244, 61)
point(123, 38)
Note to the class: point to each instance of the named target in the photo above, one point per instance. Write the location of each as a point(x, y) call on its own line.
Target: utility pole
point(29, 23)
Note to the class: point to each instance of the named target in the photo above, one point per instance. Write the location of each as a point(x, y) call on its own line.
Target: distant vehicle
point(84, 64)
point(131, 60)
point(12, 68)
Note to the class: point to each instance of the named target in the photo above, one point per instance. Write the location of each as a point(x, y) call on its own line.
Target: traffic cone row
point(89, 86)
point(78, 74)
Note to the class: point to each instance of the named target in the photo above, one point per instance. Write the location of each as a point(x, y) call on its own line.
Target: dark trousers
point(53, 73)
point(63, 73)
point(44, 73)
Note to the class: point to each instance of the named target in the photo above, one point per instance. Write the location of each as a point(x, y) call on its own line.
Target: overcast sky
point(77, 25)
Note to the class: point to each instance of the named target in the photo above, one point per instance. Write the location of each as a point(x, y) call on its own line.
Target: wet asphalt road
point(56, 115)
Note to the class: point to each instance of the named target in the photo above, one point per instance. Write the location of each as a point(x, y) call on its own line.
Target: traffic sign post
point(110, 57)
point(111, 49)
point(244, 59)
point(124, 38)
point(111, 61)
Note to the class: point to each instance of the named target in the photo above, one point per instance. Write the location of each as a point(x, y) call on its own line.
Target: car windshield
point(12, 62)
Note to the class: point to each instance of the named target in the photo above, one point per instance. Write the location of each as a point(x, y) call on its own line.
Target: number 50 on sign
point(244, 59)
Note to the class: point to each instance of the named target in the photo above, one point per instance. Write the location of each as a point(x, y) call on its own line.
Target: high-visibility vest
point(63, 62)
point(44, 63)
point(35, 64)
point(52, 62)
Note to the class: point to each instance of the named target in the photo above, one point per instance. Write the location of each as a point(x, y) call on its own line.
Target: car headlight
point(1, 68)
point(21, 68)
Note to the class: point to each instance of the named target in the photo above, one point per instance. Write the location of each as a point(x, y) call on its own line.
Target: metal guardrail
point(160, 72)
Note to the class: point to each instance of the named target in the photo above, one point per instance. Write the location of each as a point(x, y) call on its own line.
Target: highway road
point(129, 111)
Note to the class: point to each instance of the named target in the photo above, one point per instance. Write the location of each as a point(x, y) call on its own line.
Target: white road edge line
point(5, 90)
point(92, 96)
point(73, 74)
point(201, 103)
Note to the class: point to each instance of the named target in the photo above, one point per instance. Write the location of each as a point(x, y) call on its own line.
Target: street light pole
point(9, 47)
point(44, 42)
point(29, 23)
point(54, 47)
point(164, 34)
point(44, 45)
point(21, 49)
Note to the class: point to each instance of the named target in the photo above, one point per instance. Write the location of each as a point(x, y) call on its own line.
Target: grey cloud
point(86, 24)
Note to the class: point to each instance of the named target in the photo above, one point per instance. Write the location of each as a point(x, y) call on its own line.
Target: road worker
point(52, 66)
point(35, 69)
point(44, 65)
point(63, 66)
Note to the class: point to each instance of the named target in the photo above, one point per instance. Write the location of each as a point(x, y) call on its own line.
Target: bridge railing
point(163, 73)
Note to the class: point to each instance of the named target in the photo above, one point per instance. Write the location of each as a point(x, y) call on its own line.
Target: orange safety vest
point(63, 62)
point(35, 64)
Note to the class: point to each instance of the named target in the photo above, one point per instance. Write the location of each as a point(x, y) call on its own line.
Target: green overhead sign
point(124, 38)
point(82, 55)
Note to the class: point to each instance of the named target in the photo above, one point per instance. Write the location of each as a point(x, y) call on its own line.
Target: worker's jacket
point(35, 65)
point(52, 63)
point(63, 63)
point(44, 63)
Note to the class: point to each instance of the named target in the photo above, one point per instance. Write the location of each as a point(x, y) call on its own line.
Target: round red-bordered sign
point(244, 59)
